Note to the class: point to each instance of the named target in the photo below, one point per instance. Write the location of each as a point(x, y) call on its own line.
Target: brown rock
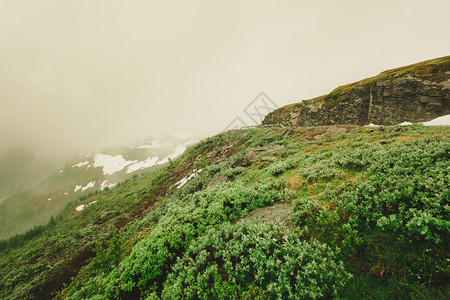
point(269, 158)
point(413, 93)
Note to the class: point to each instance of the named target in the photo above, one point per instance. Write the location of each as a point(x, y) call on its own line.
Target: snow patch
point(49, 199)
point(372, 125)
point(80, 164)
point(441, 121)
point(104, 185)
point(88, 186)
point(83, 188)
point(183, 181)
point(83, 206)
point(80, 207)
point(149, 162)
point(178, 151)
point(111, 164)
point(60, 171)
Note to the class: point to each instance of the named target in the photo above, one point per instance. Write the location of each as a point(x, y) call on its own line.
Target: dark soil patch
point(63, 274)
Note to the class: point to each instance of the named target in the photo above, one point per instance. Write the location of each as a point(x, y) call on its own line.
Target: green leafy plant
point(232, 259)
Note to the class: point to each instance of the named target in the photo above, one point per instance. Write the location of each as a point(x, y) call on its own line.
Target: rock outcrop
point(415, 93)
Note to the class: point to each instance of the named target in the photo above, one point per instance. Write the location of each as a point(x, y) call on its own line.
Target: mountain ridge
point(415, 93)
point(86, 174)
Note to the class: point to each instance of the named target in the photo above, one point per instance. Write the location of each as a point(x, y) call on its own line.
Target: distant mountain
point(22, 168)
point(80, 176)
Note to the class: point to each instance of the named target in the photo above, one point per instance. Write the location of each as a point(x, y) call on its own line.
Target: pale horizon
point(81, 75)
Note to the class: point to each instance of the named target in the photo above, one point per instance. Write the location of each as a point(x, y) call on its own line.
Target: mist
point(77, 76)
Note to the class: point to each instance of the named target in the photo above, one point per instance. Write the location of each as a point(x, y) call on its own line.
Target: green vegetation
point(255, 255)
point(370, 217)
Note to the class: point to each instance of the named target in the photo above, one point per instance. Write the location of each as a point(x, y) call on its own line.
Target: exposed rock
point(269, 158)
point(332, 131)
point(288, 133)
point(252, 154)
point(217, 179)
point(416, 93)
point(106, 215)
point(247, 159)
point(279, 212)
point(243, 162)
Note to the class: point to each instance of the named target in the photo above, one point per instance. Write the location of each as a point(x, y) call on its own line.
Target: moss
point(331, 103)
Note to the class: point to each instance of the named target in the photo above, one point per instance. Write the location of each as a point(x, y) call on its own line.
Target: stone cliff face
point(415, 93)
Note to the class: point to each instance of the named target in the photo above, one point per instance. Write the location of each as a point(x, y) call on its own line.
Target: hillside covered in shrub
point(265, 213)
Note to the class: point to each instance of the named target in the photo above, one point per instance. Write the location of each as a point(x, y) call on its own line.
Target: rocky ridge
point(415, 93)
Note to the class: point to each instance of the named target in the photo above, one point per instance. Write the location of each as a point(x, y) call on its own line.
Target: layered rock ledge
point(415, 93)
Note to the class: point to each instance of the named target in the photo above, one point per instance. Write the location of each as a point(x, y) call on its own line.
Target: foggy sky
point(78, 74)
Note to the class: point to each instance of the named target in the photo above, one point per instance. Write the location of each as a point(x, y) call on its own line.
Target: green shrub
point(107, 258)
point(267, 139)
point(151, 259)
point(407, 191)
point(401, 211)
point(234, 172)
point(319, 171)
point(357, 157)
point(230, 260)
point(281, 166)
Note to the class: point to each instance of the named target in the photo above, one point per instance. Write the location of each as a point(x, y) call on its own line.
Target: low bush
point(319, 171)
point(229, 261)
point(397, 220)
point(281, 166)
point(144, 270)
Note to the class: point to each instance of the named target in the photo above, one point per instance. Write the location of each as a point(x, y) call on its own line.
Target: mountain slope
point(22, 168)
point(288, 213)
point(83, 175)
point(415, 93)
